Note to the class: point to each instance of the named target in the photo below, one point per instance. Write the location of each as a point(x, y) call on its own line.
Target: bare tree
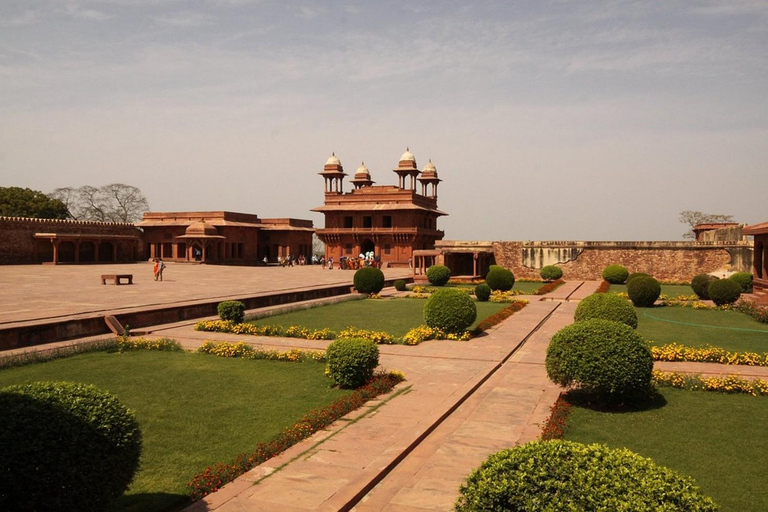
point(116, 202)
point(692, 218)
point(125, 203)
point(318, 247)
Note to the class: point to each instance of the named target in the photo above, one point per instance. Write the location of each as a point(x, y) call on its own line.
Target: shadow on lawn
point(151, 501)
point(654, 400)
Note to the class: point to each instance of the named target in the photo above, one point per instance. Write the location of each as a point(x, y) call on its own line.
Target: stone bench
point(116, 278)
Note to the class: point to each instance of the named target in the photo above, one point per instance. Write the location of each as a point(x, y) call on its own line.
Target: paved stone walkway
point(462, 401)
point(37, 292)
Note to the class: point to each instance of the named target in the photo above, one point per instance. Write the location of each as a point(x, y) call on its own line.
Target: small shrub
point(607, 306)
point(499, 278)
point(450, 310)
point(615, 274)
point(564, 475)
point(438, 275)
point(724, 291)
point(482, 292)
point(643, 291)
point(551, 273)
point(400, 285)
point(232, 310)
point(700, 285)
point(744, 279)
point(351, 361)
point(65, 447)
point(369, 280)
point(637, 274)
point(605, 358)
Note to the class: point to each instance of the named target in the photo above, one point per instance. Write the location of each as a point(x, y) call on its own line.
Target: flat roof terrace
point(36, 293)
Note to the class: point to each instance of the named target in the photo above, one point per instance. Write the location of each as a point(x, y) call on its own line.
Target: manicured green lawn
point(528, 287)
point(730, 330)
point(673, 290)
point(193, 409)
point(395, 316)
point(717, 439)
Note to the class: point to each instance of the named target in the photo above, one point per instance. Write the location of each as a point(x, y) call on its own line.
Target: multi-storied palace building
point(391, 221)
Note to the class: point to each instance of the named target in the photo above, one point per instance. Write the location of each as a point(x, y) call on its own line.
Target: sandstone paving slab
point(36, 292)
point(512, 408)
point(440, 375)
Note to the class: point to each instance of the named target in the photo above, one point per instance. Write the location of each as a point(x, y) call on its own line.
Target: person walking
point(160, 268)
point(155, 268)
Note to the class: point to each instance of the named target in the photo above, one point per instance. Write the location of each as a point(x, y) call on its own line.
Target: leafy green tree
point(25, 202)
point(692, 218)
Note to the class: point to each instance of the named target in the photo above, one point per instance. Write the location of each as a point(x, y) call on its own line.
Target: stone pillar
point(55, 251)
point(474, 264)
point(114, 252)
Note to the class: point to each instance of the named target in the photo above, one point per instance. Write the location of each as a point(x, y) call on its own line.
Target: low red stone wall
point(673, 261)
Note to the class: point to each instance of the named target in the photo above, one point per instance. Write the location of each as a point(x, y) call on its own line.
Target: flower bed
point(217, 475)
point(549, 287)
point(500, 316)
point(728, 384)
point(708, 354)
point(748, 307)
point(245, 351)
point(125, 343)
point(558, 416)
point(603, 288)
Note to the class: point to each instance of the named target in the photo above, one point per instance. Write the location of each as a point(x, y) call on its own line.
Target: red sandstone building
point(25, 240)
point(223, 237)
point(760, 260)
point(390, 221)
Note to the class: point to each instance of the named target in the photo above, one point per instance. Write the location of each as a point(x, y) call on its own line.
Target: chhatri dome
point(333, 160)
point(407, 156)
point(362, 171)
point(429, 169)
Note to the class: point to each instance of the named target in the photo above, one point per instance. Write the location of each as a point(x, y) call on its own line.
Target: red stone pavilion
point(760, 261)
point(391, 221)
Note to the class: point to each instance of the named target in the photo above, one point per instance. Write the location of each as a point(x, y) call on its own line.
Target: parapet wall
point(674, 261)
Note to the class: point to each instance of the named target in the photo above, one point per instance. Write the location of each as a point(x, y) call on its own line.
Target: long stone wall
point(18, 244)
point(675, 261)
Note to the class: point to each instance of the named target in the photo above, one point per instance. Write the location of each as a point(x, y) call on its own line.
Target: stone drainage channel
point(413, 452)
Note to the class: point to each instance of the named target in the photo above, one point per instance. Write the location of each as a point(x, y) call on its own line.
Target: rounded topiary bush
point(744, 279)
point(643, 291)
point(604, 358)
point(637, 274)
point(551, 272)
point(499, 278)
point(369, 280)
point(606, 306)
point(615, 274)
point(232, 310)
point(564, 475)
point(438, 275)
point(700, 285)
point(400, 285)
point(351, 361)
point(65, 447)
point(450, 310)
point(724, 291)
point(483, 292)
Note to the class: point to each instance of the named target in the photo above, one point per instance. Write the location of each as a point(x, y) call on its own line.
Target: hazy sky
point(547, 120)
